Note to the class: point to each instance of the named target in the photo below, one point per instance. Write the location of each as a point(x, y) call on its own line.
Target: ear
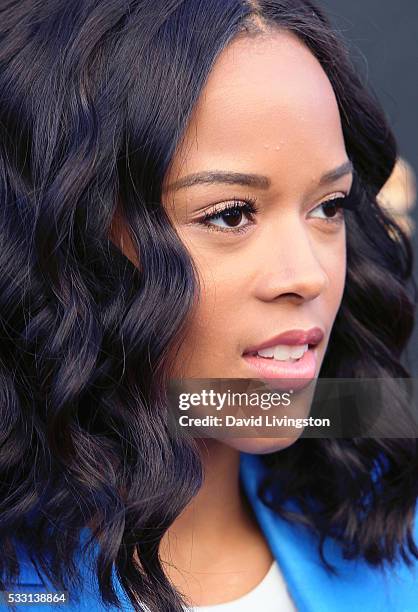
point(120, 236)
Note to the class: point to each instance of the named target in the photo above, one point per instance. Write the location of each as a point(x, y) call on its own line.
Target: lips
point(292, 337)
point(283, 375)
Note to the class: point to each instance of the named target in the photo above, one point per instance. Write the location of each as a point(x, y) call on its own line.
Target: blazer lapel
point(312, 588)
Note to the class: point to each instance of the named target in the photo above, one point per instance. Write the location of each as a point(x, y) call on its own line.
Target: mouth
point(284, 374)
point(288, 353)
point(290, 359)
point(290, 345)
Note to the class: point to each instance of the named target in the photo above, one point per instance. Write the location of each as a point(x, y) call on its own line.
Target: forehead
point(268, 101)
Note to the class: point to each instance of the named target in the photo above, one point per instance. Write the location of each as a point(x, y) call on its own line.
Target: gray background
point(383, 39)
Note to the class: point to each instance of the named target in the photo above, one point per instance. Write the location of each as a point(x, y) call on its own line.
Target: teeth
point(283, 352)
point(268, 352)
point(296, 352)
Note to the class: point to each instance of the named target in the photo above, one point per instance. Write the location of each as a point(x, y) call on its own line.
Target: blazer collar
point(312, 588)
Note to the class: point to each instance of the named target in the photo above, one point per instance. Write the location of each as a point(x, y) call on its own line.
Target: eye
point(332, 210)
point(231, 217)
point(238, 215)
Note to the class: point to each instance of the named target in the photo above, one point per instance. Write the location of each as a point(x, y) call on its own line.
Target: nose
point(290, 267)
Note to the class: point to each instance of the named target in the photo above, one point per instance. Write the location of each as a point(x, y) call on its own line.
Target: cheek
point(223, 292)
point(212, 331)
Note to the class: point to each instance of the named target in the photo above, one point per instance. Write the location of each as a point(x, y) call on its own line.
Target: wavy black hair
point(94, 97)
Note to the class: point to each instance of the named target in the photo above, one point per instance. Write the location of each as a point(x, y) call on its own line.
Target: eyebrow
point(249, 180)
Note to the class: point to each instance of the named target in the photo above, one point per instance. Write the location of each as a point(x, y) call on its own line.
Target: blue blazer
point(357, 587)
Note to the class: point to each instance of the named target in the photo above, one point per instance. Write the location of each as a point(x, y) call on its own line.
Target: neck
point(216, 512)
point(216, 537)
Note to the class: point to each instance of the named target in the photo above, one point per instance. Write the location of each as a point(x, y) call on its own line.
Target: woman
point(182, 181)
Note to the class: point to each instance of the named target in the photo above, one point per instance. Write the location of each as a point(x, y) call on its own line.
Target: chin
point(260, 446)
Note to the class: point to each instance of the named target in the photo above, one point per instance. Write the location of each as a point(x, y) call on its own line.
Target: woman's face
point(268, 110)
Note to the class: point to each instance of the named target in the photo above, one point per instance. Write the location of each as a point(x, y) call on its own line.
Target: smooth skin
point(267, 108)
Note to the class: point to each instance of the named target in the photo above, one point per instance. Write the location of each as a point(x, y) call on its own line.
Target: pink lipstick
point(290, 358)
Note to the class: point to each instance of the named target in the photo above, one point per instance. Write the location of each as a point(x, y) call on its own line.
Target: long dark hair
point(94, 97)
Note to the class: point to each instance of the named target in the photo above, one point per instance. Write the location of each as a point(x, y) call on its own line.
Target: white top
point(270, 595)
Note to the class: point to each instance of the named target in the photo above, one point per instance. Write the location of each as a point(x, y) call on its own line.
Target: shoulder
point(86, 599)
point(311, 586)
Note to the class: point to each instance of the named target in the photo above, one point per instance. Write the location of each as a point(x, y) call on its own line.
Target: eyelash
point(249, 207)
